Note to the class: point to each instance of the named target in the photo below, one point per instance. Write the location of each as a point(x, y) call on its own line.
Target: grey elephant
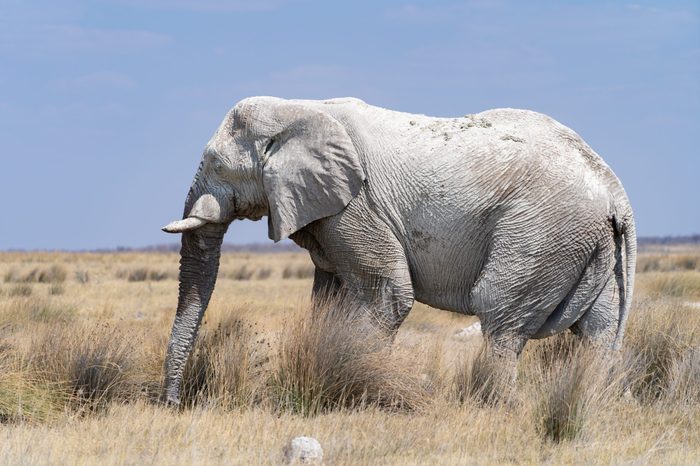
point(507, 215)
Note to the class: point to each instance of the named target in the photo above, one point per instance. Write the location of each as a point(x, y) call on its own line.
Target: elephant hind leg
point(580, 298)
point(494, 371)
point(513, 298)
point(599, 324)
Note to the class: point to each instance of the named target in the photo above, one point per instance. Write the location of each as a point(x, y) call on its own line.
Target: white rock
point(473, 330)
point(303, 450)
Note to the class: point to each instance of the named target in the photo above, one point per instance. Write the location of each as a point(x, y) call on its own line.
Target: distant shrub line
point(243, 272)
point(57, 274)
point(668, 263)
point(54, 274)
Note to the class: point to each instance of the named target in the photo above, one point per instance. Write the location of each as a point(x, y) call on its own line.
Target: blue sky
point(105, 105)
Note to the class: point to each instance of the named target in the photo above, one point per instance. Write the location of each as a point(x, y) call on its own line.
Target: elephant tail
point(625, 264)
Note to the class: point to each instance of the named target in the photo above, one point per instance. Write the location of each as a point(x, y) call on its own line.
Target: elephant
point(507, 215)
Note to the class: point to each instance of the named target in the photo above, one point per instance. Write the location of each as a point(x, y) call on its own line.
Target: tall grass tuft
point(337, 358)
point(91, 363)
point(23, 397)
point(668, 262)
point(573, 381)
point(242, 273)
point(226, 365)
point(479, 380)
point(56, 289)
point(685, 285)
point(433, 368)
point(82, 276)
point(54, 274)
point(23, 290)
point(298, 271)
point(263, 273)
point(42, 310)
point(657, 353)
point(143, 274)
point(684, 378)
point(663, 339)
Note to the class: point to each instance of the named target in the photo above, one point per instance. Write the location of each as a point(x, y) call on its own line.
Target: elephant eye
point(269, 146)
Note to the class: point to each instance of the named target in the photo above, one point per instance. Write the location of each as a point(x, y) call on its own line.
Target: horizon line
point(290, 246)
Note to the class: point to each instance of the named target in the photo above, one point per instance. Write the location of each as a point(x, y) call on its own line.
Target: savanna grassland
point(83, 337)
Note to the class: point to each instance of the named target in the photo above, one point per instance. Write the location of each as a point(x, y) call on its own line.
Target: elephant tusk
point(187, 224)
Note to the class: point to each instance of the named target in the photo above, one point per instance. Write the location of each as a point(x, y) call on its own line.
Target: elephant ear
point(311, 170)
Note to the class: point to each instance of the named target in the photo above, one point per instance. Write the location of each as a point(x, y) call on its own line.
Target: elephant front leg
point(387, 299)
point(372, 269)
point(392, 300)
point(326, 285)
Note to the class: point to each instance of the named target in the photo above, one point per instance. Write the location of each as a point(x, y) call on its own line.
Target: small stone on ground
point(303, 450)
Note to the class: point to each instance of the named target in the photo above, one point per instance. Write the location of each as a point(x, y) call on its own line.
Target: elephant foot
point(170, 400)
point(501, 381)
point(489, 379)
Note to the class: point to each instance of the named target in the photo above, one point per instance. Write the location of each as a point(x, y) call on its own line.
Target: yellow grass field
point(83, 335)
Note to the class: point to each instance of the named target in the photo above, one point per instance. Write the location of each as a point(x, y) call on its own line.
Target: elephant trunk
point(199, 264)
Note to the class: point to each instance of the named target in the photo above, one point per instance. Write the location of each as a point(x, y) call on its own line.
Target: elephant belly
point(443, 270)
point(447, 300)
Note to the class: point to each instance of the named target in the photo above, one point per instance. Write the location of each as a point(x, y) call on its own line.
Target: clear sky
point(105, 105)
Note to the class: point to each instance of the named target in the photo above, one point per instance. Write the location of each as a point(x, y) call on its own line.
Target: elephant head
point(289, 160)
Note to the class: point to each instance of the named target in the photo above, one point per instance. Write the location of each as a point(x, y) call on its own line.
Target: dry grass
point(141, 274)
point(573, 384)
point(20, 290)
point(90, 364)
point(52, 274)
point(675, 285)
point(668, 262)
point(336, 359)
point(663, 337)
point(25, 399)
point(477, 380)
point(82, 356)
point(56, 289)
point(298, 271)
point(227, 367)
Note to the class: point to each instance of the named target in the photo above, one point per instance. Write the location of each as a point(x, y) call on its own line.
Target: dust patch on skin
point(447, 129)
point(509, 137)
point(475, 122)
point(420, 240)
point(436, 126)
